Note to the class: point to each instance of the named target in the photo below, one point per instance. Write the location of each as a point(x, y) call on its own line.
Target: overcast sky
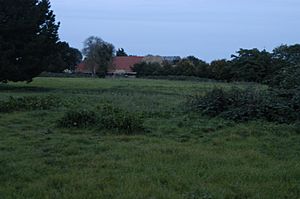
point(208, 29)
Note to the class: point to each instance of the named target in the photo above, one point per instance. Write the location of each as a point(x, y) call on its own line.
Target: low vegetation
point(78, 119)
point(107, 117)
point(111, 117)
point(28, 103)
point(176, 154)
point(96, 138)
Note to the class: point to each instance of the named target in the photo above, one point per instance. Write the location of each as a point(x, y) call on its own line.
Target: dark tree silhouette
point(28, 38)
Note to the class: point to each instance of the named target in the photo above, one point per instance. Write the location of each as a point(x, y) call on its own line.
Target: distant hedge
point(181, 78)
point(65, 75)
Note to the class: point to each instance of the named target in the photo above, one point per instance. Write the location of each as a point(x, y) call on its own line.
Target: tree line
point(281, 67)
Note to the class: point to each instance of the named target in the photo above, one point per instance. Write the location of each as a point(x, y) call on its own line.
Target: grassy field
point(179, 155)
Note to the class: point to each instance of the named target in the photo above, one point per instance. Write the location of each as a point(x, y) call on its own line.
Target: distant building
point(171, 58)
point(82, 68)
point(124, 65)
point(161, 59)
point(119, 66)
point(153, 59)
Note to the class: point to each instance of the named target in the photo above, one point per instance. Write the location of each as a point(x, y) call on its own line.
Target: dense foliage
point(28, 38)
point(251, 66)
point(64, 58)
point(221, 70)
point(190, 66)
point(251, 104)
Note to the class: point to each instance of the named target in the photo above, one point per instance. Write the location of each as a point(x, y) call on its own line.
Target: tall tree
point(28, 38)
point(192, 66)
point(98, 55)
point(252, 65)
point(147, 69)
point(65, 57)
point(221, 69)
point(289, 54)
point(287, 61)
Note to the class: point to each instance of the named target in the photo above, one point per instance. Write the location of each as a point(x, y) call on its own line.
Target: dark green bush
point(287, 77)
point(281, 106)
point(106, 117)
point(212, 103)
point(296, 100)
point(29, 103)
point(250, 104)
point(79, 119)
point(111, 117)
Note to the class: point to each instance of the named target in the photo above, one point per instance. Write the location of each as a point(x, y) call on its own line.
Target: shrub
point(296, 100)
point(212, 103)
point(244, 105)
point(106, 117)
point(111, 117)
point(250, 104)
point(78, 119)
point(28, 103)
point(280, 106)
point(288, 77)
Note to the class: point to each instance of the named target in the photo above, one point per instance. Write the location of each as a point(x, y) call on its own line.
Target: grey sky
point(208, 29)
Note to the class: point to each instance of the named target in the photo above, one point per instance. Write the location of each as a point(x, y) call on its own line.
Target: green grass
point(179, 155)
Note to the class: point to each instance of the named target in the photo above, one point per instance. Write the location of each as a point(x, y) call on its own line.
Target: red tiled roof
point(81, 67)
point(119, 63)
point(125, 63)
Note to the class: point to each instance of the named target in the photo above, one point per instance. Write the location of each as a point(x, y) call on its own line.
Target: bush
point(78, 119)
point(288, 78)
point(111, 117)
point(28, 103)
point(212, 103)
point(106, 117)
point(250, 104)
point(281, 106)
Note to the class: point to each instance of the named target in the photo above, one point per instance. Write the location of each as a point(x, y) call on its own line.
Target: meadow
point(179, 154)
